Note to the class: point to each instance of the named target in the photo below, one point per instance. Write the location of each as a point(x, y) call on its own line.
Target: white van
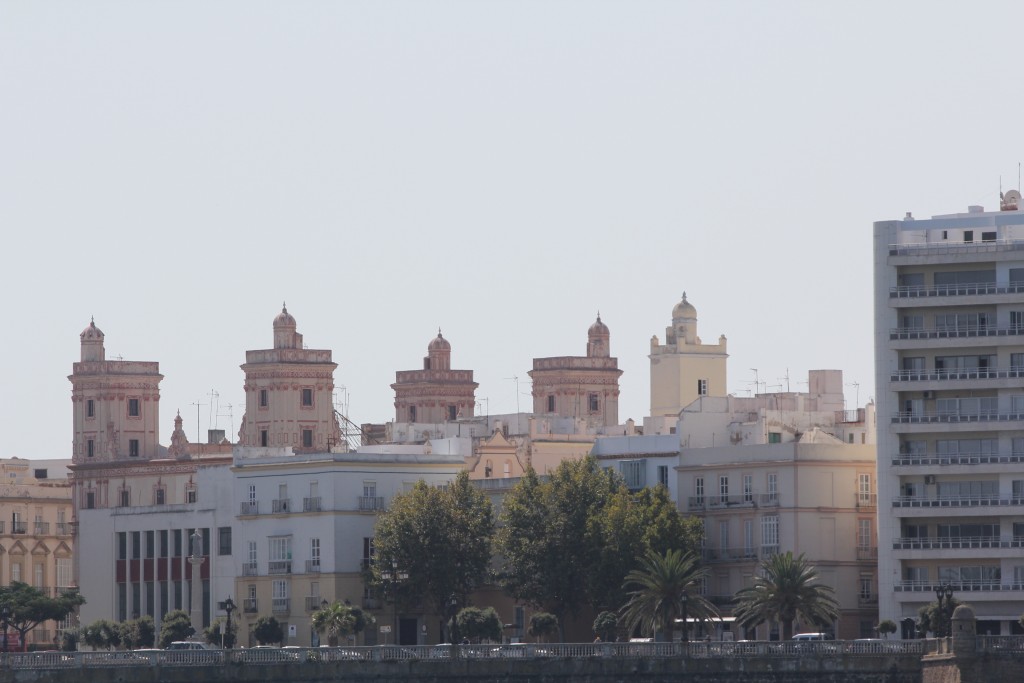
point(812, 636)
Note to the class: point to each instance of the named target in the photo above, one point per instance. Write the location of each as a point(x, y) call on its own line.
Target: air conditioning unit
point(929, 479)
point(928, 395)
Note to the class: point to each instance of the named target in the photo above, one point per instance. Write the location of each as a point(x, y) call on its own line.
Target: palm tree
point(665, 587)
point(786, 588)
point(336, 620)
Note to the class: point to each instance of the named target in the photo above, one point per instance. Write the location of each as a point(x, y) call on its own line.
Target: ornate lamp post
point(686, 622)
point(5, 618)
point(455, 626)
point(228, 606)
point(944, 597)
point(393, 578)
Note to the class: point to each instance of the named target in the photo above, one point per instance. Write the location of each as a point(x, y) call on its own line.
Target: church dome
point(684, 309)
point(598, 327)
point(92, 332)
point(284, 318)
point(439, 343)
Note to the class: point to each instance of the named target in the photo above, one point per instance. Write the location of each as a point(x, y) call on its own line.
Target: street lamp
point(455, 626)
point(944, 596)
point(5, 617)
point(686, 623)
point(229, 607)
point(394, 577)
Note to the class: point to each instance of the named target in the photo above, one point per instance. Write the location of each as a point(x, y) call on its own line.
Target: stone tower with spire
point(585, 387)
point(436, 393)
point(683, 368)
point(289, 393)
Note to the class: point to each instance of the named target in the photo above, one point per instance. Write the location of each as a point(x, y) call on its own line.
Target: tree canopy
point(212, 633)
point(665, 588)
point(479, 624)
point(786, 588)
point(176, 625)
point(267, 630)
point(336, 620)
point(30, 607)
point(439, 538)
point(101, 634)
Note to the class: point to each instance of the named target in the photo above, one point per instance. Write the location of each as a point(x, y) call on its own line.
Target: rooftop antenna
point(231, 418)
point(786, 377)
point(856, 386)
point(214, 407)
point(197, 404)
point(757, 384)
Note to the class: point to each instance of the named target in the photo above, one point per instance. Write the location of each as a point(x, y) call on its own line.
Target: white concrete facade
point(949, 360)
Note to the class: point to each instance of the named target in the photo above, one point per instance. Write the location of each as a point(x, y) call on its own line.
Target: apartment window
point(453, 413)
point(1017, 320)
point(252, 493)
point(968, 236)
point(136, 537)
point(774, 437)
point(748, 488)
point(594, 404)
point(864, 487)
point(224, 540)
point(723, 486)
point(133, 448)
point(125, 498)
point(280, 548)
point(702, 387)
point(150, 545)
point(314, 551)
point(158, 496)
point(863, 534)
point(279, 592)
point(912, 322)
point(748, 537)
point(307, 438)
point(723, 535)
point(90, 500)
point(264, 438)
point(264, 398)
point(698, 490)
point(633, 472)
point(663, 475)
point(866, 582)
point(90, 408)
point(163, 543)
point(63, 572)
point(551, 402)
point(191, 496)
point(90, 448)
point(251, 554)
point(16, 571)
point(307, 398)
point(914, 364)
point(412, 413)
point(770, 530)
point(133, 407)
point(988, 237)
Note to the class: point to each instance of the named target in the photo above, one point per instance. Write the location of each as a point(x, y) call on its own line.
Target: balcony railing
point(19, 527)
point(744, 500)
point(730, 501)
point(251, 507)
point(250, 606)
point(855, 416)
point(371, 503)
point(954, 374)
point(41, 528)
point(279, 567)
point(867, 600)
point(249, 569)
point(63, 529)
point(950, 247)
point(963, 331)
point(980, 416)
point(866, 500)
point(769, 550)
point(928, 586)
point(313, 603)
point(311, 504)
point(958, 459)
point(957, 543)
point(281, 505)
point(867, 553)
point(980, 499)
point(730, 554)
point(313, 566)
point(281, 605)
point(972, 289)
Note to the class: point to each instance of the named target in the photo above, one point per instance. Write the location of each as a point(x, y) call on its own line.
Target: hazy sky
point(502, 170)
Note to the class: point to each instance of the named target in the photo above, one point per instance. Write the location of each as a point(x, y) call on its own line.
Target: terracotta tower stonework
point(436, 393)
point(585, 387)
point(289, 394)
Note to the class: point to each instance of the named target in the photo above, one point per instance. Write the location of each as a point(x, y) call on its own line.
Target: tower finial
point(438, 330)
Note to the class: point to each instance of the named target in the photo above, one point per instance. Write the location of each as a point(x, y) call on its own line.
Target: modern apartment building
point(949, 362)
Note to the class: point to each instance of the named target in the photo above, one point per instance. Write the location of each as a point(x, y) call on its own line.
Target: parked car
point(188, 645)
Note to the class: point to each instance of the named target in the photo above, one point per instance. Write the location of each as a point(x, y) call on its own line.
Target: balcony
point(249, 569)
point(955, 248)
point(980, 416)
point(371, 603)
point(867, 600)
point(311, 504)
point(730, 554)
point(371, 503)
point(19, 527)
point(974, 289)
point(63, 529)
point(41, 528)
point(281, 605)
point(313, 566)
point(313, 603)
point(855, 416)
point(281, 506)
point(955, 374)
point(743, 501)
point(904, 459)
point(977, 500)
point(731, 501)
point(957, 543)
point(865, 554)
point(769, 550)
point(928, 586)
point(279, 567)
point(251, 507)
point(250, 606)
point(963, 332)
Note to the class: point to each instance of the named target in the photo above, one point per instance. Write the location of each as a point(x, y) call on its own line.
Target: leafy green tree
point(137, 633)
point(267, 630)
point(30, 607)
point(663, 588)
point(786, 588)
point(543, 625)
point(336, 620)
point(101, 634)
point(176, 625)
point(212, 633)
point(69, 639)
point(480, 624)
point(440, 538)
point(885, 627)
point(606, 625)
point(929, 618)
point(362, 620)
